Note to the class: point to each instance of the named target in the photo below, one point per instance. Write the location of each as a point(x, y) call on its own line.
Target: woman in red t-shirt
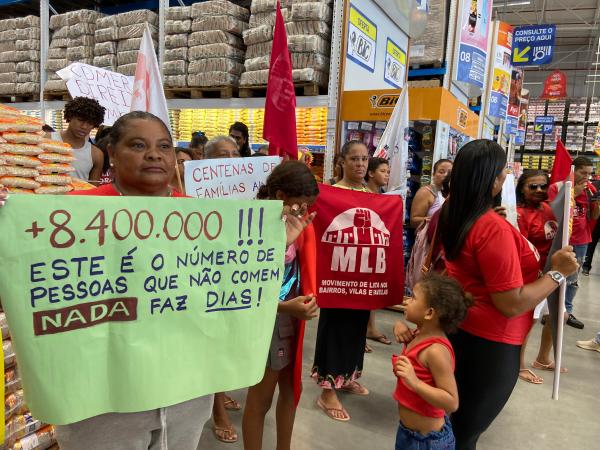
point(538, 225)
point(500, 268)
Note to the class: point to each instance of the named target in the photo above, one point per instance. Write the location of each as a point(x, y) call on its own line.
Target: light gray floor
point(530, 420)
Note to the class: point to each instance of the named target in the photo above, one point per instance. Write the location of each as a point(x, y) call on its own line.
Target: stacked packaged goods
point(216, 49)
point(27, 55)
point(429, 48)
point(309, 32)
point(105, 48)
point(30, 163)
point(8, 48)
point(22, 430)
point(178, 26)
point(73, 40)
point(129, 32)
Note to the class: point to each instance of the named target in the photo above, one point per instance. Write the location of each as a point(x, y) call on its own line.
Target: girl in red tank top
point(426, 389)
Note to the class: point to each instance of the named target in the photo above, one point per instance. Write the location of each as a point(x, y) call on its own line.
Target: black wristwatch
point(556, 276)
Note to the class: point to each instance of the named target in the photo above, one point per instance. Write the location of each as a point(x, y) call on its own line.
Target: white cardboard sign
point(229, 178)
point(111, 89)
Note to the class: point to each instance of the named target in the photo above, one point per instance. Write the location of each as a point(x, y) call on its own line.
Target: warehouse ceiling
point(577, 43)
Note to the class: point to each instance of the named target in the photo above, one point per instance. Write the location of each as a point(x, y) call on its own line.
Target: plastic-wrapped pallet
point(309, 34)
point(216, 48)
point(429, 48)
point(127, 69)
point(26, 55)
point(8, 49)
point(178, 26)
point(137, 17)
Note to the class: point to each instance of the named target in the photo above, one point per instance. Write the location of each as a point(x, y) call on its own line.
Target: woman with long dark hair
point(500, 268)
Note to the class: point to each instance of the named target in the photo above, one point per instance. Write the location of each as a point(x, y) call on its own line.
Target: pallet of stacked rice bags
point(32, 164)
point(309, 33)
point(178, 26)
point(8, 66)
point(57, 53)
point(131, 26)
point(216, 49)
point(106, 37)
point(27, 55)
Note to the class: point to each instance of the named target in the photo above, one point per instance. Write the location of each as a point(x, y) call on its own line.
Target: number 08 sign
point(122, 304)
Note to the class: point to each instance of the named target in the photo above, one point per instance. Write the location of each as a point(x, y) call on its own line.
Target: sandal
point(550, 366)
point(231, 404)
point(225, 434)
point(534, 379)
point(354, 387)
point(382, 339)
point(368, 349)
point(330, 411)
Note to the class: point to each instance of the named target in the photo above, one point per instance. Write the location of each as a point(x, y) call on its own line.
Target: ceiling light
point(516, 3)
point(533, 83)
point(593, 75)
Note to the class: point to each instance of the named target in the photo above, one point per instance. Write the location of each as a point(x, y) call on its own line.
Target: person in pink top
point(426, 390)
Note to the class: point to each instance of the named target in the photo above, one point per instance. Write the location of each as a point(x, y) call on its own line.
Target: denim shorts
point(436, 440)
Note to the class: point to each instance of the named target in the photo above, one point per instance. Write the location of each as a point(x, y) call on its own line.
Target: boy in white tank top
point(83, 115)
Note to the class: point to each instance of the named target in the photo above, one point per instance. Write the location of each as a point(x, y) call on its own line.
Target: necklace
point(121, 194)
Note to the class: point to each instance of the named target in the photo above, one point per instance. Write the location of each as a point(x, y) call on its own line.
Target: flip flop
point(354, 387)
point(368, 349)
point(382, 339)
point(221, 434)
point(329, 412)
point(231, 404)
point(534, 380)
point(549, 367)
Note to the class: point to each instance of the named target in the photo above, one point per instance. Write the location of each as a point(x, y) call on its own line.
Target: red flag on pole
point(562, 163)
point(279, 127)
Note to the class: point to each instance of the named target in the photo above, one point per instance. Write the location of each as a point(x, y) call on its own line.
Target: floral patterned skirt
point(340, 347)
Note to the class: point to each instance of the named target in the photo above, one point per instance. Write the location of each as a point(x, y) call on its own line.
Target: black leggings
point(486, 374)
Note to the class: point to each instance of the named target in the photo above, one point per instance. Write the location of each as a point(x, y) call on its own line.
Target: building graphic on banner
point(354, 233)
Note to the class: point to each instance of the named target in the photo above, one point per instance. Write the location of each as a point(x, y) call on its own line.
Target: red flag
point(280, 106)
point(360, 262)
point(562, 163)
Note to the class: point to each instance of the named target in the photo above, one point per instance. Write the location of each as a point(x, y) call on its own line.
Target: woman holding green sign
point(143, 162)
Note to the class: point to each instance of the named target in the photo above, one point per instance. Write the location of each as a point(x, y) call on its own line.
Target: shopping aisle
point(531, 420)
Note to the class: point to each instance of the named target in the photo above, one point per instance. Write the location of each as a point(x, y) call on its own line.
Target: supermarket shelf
point(202, 103)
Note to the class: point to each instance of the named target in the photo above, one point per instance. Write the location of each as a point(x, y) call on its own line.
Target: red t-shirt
point(495, 258)
point(539, 227)
point(108, 190)
point(581, 233)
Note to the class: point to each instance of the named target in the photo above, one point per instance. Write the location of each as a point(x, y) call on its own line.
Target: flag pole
point(562, 295)
point(178, 176)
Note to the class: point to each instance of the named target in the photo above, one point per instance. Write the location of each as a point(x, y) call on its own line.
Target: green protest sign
point(128, 304)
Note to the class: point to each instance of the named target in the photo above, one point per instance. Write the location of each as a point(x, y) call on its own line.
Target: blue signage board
point(533, 45)
point(544, 124)
point(498, 105)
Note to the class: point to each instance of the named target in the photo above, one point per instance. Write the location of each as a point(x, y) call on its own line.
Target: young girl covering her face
point(293, 183)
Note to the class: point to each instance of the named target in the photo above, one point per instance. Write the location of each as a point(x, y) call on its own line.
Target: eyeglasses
point(535, 187)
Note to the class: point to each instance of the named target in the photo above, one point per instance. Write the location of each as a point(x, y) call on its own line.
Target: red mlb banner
point(359, 249)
